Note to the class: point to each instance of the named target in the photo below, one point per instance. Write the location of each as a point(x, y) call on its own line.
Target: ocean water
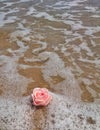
point(53, 44)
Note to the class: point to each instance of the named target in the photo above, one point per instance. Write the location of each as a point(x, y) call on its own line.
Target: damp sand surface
point(52, 44)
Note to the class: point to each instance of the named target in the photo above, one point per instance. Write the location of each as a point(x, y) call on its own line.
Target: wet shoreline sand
point(51, 44)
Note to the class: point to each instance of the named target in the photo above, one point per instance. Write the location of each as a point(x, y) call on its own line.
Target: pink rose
point(41, 97)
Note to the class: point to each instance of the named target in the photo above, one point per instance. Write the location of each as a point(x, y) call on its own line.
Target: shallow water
point(52, 44)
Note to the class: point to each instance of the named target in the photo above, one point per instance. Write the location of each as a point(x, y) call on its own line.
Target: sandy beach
point(51, 44)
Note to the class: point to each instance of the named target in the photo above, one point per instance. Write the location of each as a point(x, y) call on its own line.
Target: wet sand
point(52, 44)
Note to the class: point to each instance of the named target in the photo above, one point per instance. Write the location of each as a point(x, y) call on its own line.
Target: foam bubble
point(15, 115)
point(71, 115)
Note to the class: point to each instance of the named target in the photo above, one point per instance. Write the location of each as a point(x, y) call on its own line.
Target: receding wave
point(52, 44)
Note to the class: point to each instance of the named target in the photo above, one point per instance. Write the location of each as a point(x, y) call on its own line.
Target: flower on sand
point(41, 97)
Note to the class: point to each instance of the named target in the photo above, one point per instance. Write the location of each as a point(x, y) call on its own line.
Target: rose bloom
point(41, 97)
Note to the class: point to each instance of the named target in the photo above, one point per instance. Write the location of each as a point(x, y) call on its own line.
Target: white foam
point(41, 1)
point(91, 30)
point(67, 4)
point(42, 48)
point(95, 16)
point(14, 37)
point(55, 66)
point(96, 61)
point(13, 83)
point(71, 115)
point(23, 33)
point(2, 16)
point(26, 0)
point(84, 46)
point(9, 4)
point(31, 11)
point(60, 114)
point(91, 9)
point(44, 15)
point(93, 43)
point(4, 19)
point(15, 115)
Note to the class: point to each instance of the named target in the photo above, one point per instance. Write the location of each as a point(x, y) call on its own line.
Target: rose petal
point(48, 100)
point(41, 97)
point(43, 102)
